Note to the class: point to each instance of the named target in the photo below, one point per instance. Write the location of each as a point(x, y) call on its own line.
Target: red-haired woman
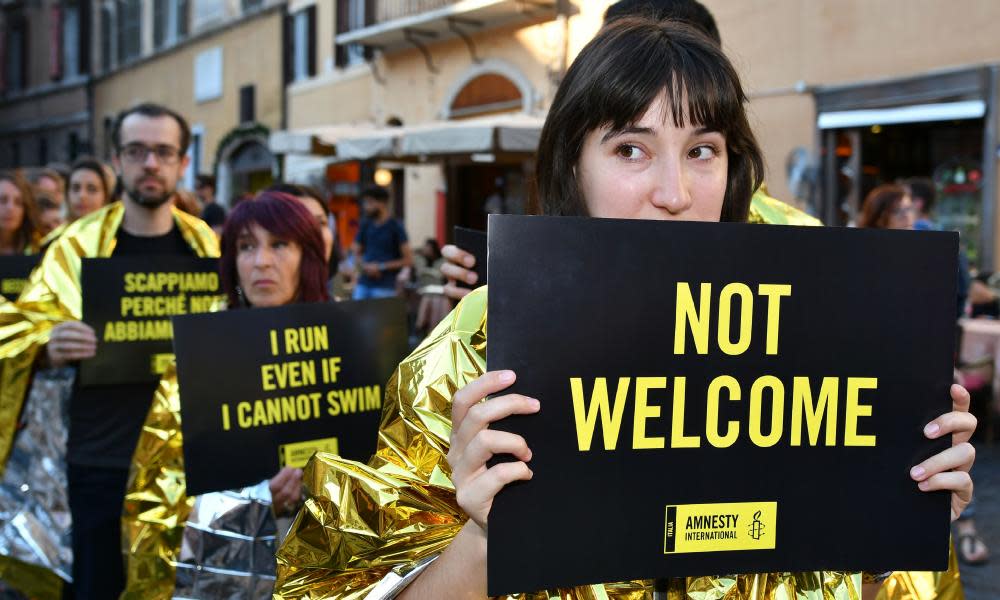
point(272, 255)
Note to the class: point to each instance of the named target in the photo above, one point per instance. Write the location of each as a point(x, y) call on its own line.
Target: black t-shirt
point(105, 421)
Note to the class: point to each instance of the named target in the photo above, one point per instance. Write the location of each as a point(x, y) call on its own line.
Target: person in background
point(887, 207)
point(187, 201)
point(272, 255)
point(50, 214)
point(211, 211)
point(315, 203)
point(381, 248)
point(18, 229)
point(434, 305)
point(923, 195)
point(51, 182)
point(91, 186)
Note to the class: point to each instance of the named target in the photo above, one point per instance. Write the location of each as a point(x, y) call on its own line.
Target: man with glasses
point(150, 146)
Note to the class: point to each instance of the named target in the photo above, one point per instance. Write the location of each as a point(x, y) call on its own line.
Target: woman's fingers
point(474, 392)
point(959, 482)
point(484, 446)
point(458, 273)
point(958, 457)
point(456, 255)
point(476, 498)
point(960, 398)
point(960, 425)
point(480, 416)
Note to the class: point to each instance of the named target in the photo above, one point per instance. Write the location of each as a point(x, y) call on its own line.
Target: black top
point(105, 421)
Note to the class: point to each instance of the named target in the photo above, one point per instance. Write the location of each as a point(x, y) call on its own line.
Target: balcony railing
point(389, 10)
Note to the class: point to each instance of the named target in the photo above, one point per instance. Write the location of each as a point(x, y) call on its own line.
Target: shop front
point(939, 126)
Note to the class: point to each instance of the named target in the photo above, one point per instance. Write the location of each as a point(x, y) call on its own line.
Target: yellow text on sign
point(296, 455)
point(720, 527)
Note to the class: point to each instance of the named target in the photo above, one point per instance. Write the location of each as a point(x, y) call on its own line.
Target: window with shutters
point(108, 30)
point(129, 30)
point(15, 53)
point(170, 22)
point(303, 33)
point(352, 15)
point(72, 48)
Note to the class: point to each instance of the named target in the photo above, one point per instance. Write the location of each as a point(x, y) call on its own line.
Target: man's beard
point(149, 200)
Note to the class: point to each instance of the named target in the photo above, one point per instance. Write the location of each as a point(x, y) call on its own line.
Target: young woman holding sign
point(272, 255)
point(649, 123)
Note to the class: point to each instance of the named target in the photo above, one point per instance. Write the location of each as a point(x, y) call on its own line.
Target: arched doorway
point(245, 165)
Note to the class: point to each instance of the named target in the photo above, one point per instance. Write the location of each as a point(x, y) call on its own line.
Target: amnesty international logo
point(757, 527)
point(720, 527)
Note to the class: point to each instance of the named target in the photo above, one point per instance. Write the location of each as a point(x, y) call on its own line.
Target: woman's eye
point(279, 244)
point(702, 153)
point(244, 247)
point(629, 152)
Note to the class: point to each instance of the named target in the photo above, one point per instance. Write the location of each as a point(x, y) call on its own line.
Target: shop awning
point(502, 133)
point(377, 143)
point(441, 23)
point(499, 133)
point(916, 113)
point(321, 141)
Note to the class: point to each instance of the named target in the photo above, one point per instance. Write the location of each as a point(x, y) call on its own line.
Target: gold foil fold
point(363, 522)
point(766, 210)
point(156, 503)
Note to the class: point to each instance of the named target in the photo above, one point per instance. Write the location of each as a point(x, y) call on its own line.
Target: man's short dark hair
point(152, 111)
point(922, 188)
point(204, 180)
point(690, 12)
point(375, 192)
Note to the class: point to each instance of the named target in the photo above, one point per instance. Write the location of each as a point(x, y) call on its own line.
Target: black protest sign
point(473, 241)
point(718, 398)
point(265, 388)
point(129, 301)
point(14, 273)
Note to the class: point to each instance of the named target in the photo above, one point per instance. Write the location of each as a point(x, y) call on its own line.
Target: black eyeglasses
point(138, 153)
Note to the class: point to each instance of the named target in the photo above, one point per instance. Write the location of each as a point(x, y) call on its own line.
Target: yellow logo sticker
point(720, 527)
point(159, 363)
point(298, 454)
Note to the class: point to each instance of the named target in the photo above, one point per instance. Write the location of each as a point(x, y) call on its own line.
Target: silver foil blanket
point(228, 546)
point(34, 506)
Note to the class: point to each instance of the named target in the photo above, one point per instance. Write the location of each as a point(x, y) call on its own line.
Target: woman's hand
point(456, 267)
point(949, 470)
point(71, 341)
point(473, 443)
point(286, 490)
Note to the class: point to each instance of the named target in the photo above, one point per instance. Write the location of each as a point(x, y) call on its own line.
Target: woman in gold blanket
point(648, 123)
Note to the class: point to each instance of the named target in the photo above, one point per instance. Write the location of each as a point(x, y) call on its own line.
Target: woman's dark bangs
point(695, 91)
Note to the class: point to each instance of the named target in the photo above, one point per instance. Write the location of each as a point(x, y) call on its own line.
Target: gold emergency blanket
point(218, 545)
point(51, 296)
point(766, 210)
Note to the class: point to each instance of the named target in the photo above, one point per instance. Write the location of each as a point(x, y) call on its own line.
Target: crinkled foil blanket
point(35, 551)
point(228, 546)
